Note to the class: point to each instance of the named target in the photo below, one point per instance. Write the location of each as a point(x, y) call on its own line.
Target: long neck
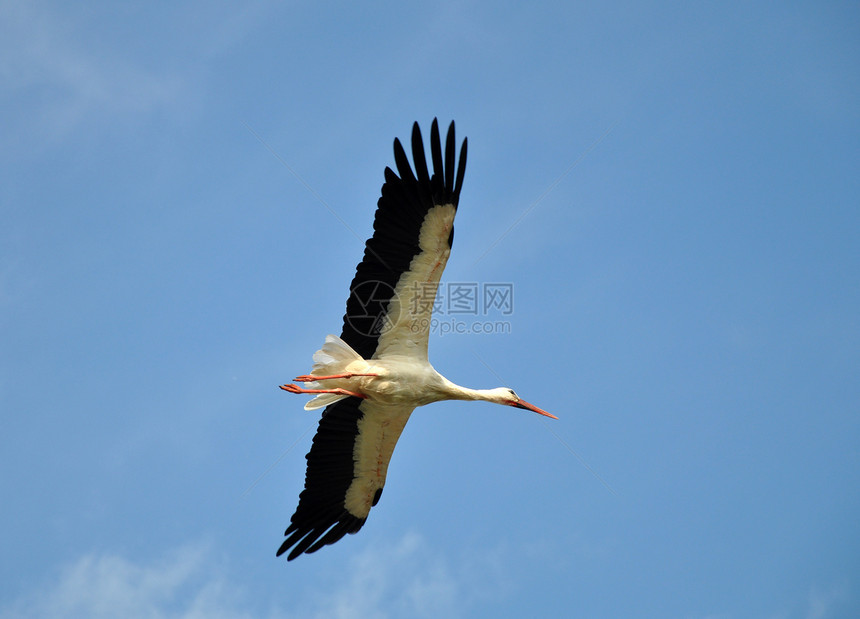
point(456, 392)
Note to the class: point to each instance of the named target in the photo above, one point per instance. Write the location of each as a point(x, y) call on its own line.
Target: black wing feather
point(406, 198)
point(321, 511)
point(321, 517)
point(449, 157)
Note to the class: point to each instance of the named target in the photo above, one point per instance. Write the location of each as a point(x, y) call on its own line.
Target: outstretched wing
point(347, 465)
point(388, 312)
point(392, 295)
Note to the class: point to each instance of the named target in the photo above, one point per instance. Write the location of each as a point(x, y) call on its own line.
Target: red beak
point(533, 408)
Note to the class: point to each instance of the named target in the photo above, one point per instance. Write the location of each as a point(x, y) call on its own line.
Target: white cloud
point(825, 603)
point(403, 579)
point(55, 82)
point(182, 585)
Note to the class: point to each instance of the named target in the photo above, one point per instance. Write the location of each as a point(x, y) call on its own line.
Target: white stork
point(372, 377)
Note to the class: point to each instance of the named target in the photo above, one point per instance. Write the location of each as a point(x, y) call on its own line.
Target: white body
point(391, 387)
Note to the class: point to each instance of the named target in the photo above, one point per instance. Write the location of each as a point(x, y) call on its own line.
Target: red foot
point(296, 389)
point(307, 378)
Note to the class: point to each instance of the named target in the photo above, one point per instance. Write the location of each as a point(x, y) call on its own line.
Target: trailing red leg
point(307, 378)
point(296, 389)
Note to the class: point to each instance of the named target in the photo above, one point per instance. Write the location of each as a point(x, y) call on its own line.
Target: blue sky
point(671, 189)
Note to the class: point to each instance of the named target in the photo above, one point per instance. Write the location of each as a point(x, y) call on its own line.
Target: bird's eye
point(513, 394)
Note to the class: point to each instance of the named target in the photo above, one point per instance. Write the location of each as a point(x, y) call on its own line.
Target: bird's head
point(504, 395)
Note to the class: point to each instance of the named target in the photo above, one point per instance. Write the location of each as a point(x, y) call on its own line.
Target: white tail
point(332, 358)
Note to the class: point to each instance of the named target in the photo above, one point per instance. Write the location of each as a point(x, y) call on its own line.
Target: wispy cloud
point(409, 578)
point(181, 585)
point(824, 603)
point(50, 77)
point(405, 578)
point(400, 580)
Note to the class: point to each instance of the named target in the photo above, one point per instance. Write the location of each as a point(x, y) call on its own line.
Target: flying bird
point(376, 373)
